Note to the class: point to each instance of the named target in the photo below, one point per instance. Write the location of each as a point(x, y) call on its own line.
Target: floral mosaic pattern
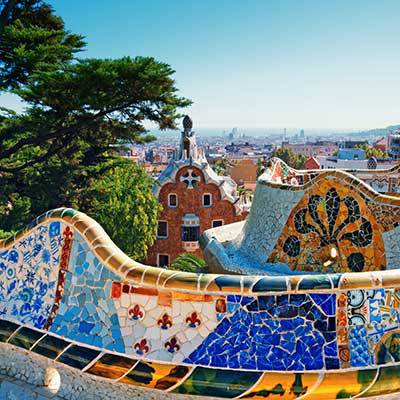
point(331, 230)
point(29, 275)
point(163, 325)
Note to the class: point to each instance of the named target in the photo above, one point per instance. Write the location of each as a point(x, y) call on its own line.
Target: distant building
point(394, 145)
point(232, 148)
point(310, 149)
point(312, 163)
point(336, 163)
point(243, 172)
point(149, 156)
point(351, 154)
point(194, 198)
point(352, 144)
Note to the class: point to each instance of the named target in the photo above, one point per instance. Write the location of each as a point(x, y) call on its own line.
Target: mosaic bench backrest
point(65, 286)
point(385, 180)
point(323, 221)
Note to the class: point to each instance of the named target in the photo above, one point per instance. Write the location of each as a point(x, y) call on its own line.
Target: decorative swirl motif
point(331, 230)
point(26, 295)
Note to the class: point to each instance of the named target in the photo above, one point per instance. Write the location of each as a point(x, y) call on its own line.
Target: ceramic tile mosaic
point(165, 326)
point(87, 313)
point(29, 275)
point(69, 294)
point(330, 230)
point(326, 221)
point(284, 333)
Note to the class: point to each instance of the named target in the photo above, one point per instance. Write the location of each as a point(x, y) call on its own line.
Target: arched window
point(172, 200)
point(162, 230)
point(207, 200)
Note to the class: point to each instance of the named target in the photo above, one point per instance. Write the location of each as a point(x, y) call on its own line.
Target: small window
point(217, 222)
point(162, 260)
point(207, 200)
point(172, 200)
point(190, 233)
point(162, 230)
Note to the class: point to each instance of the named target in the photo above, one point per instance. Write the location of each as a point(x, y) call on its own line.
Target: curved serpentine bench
point(68, 293)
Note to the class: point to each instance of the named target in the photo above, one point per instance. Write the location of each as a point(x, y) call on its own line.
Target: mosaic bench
point(68, 293)
point(303, 222)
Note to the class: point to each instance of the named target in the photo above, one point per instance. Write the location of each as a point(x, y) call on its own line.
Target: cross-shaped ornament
point(190, 179)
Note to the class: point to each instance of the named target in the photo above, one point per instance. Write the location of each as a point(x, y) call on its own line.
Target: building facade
point(394, 145)
point(243, 171)
point(194, 198)
point(310, 149)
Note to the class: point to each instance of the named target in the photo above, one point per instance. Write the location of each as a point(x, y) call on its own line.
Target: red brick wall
point(190, 201)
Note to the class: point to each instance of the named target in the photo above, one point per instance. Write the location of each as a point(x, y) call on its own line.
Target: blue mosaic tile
point(359, 353)
point(29, 275)
point(327, 303)
point(84, 314)
point(284, 333)
point(271, 284)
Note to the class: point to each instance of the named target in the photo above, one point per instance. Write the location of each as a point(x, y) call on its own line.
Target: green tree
point(189, 263)
point(260, 167)
point(124, 205)
point(372, 152)
point(292, 159)
point(32, 40)
point(78, 114)
point(221, 166)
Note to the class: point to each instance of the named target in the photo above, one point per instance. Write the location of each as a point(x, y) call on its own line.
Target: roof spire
point(187, 123)
point(188, 146)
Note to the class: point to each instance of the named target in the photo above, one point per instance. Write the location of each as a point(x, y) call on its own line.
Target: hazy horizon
point(260, 132)
point(14, 103)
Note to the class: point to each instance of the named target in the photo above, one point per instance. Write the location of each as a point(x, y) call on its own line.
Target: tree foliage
point(78, 114)
point(222, 165)
point(84, 108)
point(372, 151)
point(124, 205)
point(33, 40)
point(62, 149)
point(189, 263)
point(261, 164)
point(292, 159)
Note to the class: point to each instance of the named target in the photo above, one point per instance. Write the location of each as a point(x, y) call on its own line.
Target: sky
point(260, 63)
